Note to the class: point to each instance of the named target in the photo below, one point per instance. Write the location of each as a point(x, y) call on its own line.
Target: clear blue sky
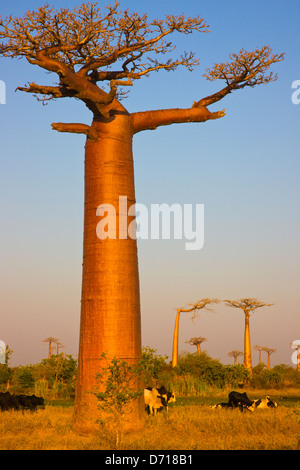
point(244, 168)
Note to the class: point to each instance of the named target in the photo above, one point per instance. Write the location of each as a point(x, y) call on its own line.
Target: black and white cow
point(221, 405)
point(265, 403)
point(171, 398)
point(154, 400)
point(158, 398)
point(240, 400)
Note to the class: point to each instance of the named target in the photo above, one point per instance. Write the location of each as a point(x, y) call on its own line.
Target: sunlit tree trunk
point(175, 340)
point(269, 361)
point(247, 344)
point(195, 307)
point(110, 308)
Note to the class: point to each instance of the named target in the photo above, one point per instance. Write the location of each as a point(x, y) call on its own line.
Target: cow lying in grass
point(241, 401)
point(237, 400)
point(265, 403)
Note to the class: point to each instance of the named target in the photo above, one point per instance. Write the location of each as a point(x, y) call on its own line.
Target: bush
point(210, 372)
point(25, 377)
point(152, 365)
point(5, 374)
point(280, 376)
point(117, 387)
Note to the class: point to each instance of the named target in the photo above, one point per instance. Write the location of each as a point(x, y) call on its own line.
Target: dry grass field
point(187, 426)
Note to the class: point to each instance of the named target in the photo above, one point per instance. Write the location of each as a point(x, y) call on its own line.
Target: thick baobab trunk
point(110, 308)
point(247, 344)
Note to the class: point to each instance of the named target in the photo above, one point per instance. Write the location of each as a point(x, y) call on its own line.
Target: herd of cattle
point(155, 400)
point(158, 398)
point(20, 402)
point(240, 400)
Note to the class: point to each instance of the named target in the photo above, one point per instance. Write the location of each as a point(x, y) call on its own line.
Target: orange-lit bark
point(247, 344)
point(110, 308)
point(164, 117)
point(175, 340)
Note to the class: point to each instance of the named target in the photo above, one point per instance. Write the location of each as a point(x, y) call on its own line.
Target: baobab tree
point(194, 308)
point(50, 340)
point(269, 351)
point(93, 51)
point(235, 355)
point(59, 345)
point(197, 342)
point(259, 349)
point(248, 306)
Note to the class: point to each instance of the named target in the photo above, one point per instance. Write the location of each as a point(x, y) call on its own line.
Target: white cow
point(154, 400)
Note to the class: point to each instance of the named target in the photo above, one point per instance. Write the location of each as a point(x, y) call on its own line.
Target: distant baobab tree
point(269, 351)
point(93, 51)
point(259, 349)
point(195, 307)
point(248, 306)
point(58, 346)
point(235, 355)
point(197, 342)
point(50, 340)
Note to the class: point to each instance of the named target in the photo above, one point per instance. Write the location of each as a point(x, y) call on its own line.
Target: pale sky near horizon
point(244, 168)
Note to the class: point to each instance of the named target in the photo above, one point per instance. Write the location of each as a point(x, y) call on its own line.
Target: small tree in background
point(50, 340)
point(193, 308)
point(235, 355)
point(269, 351)
point(197, 342)
point(259, 349)
point(248, 306)
point(58, 345)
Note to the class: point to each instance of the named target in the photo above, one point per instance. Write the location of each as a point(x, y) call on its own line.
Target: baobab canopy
point(83, 44)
